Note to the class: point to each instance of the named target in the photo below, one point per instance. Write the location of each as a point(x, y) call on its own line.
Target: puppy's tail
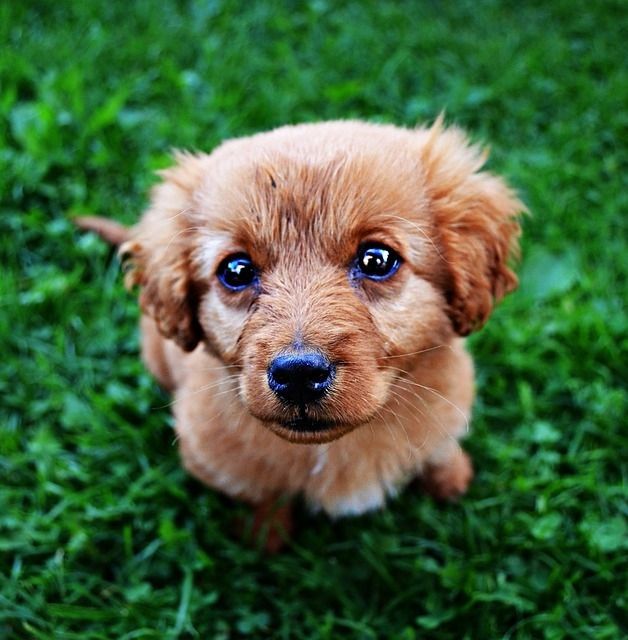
point(109, 230)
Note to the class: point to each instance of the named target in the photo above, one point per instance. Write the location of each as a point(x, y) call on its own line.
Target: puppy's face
point(322, 267)
point(315, 278)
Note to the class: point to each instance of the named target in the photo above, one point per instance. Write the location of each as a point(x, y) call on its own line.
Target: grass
point(102, 535)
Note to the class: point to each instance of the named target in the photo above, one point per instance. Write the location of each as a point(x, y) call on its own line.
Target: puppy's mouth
point(306, 430)
point(305, 424)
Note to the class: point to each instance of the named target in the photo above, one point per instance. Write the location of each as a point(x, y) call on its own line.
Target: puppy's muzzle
point(300, 379)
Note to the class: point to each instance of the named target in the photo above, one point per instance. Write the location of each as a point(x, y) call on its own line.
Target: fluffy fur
point(300, 200)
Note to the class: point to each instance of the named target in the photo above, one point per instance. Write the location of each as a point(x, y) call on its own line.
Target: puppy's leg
point(447, 475)
point(269, 526)
point(272, 525)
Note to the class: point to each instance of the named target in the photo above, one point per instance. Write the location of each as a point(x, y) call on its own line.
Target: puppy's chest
point(236, 454)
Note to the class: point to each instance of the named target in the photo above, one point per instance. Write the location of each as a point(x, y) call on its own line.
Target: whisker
point(187, 394)
point(434, 415)
point(220, 367)
point(404, 379)
point(424, 234)
point(172, 239)
point(176, 215)
point(403, 428)
point(462, 414)
point(414, 353)
point(204, 419)
point(412, 445)
point(224, 391)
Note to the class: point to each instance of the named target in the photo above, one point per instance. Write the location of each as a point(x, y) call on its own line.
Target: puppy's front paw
point(269, 527)
point(450, 478)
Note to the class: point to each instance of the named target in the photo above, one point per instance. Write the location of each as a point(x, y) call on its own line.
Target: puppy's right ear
point(156, 257)
point(477, 217)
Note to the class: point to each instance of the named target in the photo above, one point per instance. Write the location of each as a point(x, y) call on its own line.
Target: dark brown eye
point(237, 272)
point(376, 261)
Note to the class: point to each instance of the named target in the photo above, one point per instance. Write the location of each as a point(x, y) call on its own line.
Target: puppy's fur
point(300, 201)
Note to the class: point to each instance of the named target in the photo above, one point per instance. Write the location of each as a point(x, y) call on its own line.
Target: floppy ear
point(476, 215)
point(157, 255)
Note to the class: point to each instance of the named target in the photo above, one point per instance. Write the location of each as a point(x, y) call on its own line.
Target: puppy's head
point(310, 256)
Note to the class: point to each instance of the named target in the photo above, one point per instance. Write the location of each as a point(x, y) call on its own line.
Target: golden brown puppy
point(304, 294)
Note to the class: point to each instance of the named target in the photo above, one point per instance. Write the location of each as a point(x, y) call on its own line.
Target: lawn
point(102, 535)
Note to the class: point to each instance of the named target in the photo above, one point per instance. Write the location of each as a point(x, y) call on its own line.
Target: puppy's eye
point(377, 261)
point(237, 272)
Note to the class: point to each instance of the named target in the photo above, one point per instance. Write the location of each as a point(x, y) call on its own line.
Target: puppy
point(305, 293)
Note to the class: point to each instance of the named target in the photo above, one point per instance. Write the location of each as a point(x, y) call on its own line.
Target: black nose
point(300, 378)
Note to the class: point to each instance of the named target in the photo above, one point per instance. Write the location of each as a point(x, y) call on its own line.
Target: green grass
point(102, 535)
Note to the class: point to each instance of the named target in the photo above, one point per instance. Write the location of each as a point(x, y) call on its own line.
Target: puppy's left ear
point(157, 255)
point(476, 216)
